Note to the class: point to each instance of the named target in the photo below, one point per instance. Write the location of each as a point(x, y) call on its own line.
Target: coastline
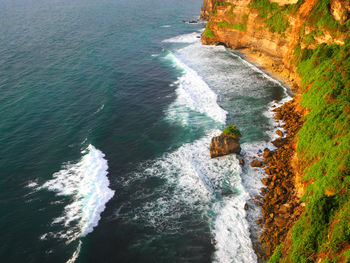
point(279, 199)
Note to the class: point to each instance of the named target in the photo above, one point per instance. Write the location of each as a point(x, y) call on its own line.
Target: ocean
point(107, 111)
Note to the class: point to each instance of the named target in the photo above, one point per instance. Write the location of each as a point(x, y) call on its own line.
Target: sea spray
point(87, 186)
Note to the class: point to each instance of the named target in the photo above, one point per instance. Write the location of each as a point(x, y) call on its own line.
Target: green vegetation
point(208, 33)
point(324, 143)
point(231, 130)
point(273, 14)
point(320, 17)
point(309, 38)
point(238, 26)
point(277, 254)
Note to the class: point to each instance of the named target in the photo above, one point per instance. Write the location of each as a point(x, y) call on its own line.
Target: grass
point(273, 15)
point(232, 131)
point(237, 26)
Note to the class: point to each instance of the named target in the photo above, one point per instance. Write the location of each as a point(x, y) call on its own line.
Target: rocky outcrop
point(207, 8)
point(340, 10)
point(223, 145)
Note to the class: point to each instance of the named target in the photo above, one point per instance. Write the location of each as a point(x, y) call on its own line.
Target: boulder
point(279, 142)
point(256, 163)
point(223, 145)
point(279, 133)
point(267, 153)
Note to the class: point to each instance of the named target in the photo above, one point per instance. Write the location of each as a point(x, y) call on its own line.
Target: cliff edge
point(306, 205)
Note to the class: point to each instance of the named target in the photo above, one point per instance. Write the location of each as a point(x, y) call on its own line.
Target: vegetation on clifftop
point(323, 145)
point(273, 15)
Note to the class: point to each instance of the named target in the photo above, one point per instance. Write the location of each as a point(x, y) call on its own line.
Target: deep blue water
point(105, 129)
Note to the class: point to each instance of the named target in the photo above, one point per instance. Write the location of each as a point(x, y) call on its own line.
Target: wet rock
point(241, 162)
point(223, 145)
point(246, 207)
point(267, 153)
point(192, 22)
point(279, 133)
point(256, 163)
point(279, 142)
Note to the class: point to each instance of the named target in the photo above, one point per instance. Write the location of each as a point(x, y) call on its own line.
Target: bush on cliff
point(208, 33)
point(231, 131)
point(273, 14)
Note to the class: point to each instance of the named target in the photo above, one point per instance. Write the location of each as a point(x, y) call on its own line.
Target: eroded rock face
point(223, 145)
point(237, 26)
point(340, 10)
point(207, 7)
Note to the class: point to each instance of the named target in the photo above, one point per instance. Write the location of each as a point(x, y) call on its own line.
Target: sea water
point(108, 108)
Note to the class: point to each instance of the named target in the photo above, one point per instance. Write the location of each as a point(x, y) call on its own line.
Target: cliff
point(305, 42)
point(273, 28)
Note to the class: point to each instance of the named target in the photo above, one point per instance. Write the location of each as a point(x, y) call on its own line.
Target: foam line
point(194, 93)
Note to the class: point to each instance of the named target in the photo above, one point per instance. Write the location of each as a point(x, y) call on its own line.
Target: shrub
point(232, 131)
point(208, 33)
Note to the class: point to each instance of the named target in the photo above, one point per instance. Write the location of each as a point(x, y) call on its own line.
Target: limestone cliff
point(274, 32)
point(306, 202)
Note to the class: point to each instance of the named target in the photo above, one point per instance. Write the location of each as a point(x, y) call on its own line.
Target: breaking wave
point(87, 185)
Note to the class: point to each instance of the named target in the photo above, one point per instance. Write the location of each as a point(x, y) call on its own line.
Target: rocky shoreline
point(279, 200)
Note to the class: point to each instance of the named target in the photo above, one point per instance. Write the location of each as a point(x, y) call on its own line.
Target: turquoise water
point(107, 111)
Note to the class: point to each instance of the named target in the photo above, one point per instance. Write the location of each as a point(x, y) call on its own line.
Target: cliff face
point(275, 31)
point(308, 43)
point(207, 8)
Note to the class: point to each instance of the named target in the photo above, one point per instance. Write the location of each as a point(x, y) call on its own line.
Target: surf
point(85, 185)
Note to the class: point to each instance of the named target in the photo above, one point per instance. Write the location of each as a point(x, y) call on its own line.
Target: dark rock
point(192, 22)
point(241, 162)
point(223, 145)
point(246, 207)
point(256, 163)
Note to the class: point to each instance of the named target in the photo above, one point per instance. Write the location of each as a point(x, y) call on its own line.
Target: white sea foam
point(32, 184)
point(166, 26)
point(194, 93)
point(186, 38)
point(99, 109)
point(75, 254)
point(255, 68)
point(209, 186)
point(86, 183)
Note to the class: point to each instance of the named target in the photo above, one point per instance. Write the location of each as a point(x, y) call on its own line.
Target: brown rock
point(223, 145)
point(279, 142)
point(241, 162)
point(280, 221)
point(246, 207)
point(267, 153)
point(256, 163)
point(279, 133)
point(340, 10)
